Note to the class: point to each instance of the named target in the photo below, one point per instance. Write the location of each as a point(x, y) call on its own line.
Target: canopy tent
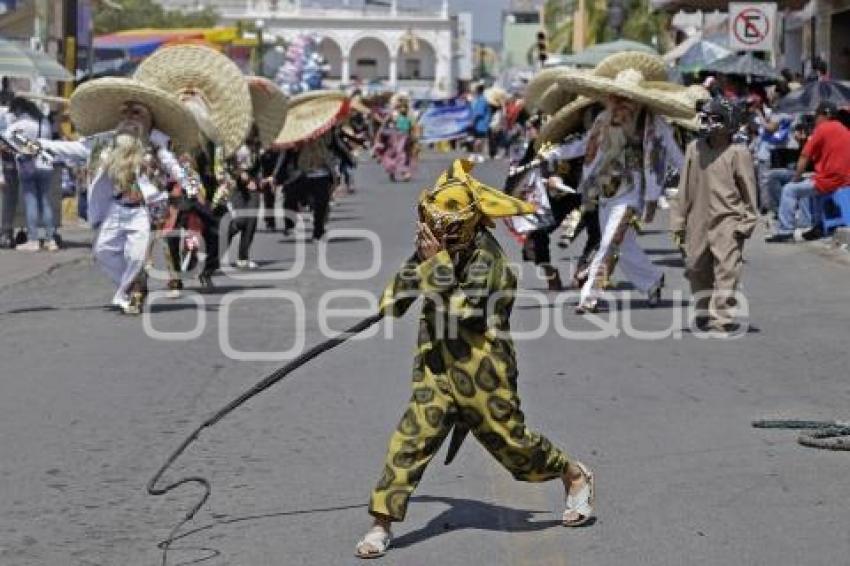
point(747, 65)
point(594, 54)
point(807, 98)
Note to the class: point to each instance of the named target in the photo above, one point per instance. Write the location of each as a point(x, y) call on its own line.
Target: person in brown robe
point(714, 214)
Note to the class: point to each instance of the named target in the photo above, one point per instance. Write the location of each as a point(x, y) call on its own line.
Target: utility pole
point(69, 47)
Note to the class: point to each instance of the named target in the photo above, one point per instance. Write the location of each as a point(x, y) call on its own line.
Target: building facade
point(397, 45)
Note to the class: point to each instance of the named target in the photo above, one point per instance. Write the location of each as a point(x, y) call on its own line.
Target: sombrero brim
point(223, 86)
point(659, 97)
point(269, 104)
point(554, 99)
point(95, 107)
point(311, 115)
point(540, 85)
point(691, 95)
point(564, 122)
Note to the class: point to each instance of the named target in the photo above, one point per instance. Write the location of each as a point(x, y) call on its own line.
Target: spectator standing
point(34, 176)
point(480, 119)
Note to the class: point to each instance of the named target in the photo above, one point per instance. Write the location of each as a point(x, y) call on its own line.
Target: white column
point(345, 74)
point(444, 11)
point(442, 75)
point(394, 8)
point(394, 71)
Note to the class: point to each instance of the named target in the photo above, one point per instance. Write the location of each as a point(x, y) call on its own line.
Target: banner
point(445, 120)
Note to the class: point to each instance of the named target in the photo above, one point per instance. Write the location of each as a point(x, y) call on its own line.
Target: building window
point(367, 62)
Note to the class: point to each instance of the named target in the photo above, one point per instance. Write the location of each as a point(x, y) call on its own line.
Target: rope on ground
point(258, 388)
point(826, 435)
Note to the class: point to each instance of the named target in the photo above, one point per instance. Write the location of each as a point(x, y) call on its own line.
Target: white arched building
point(407, 48)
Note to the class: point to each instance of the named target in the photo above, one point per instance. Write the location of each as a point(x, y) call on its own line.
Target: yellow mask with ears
point(458, 204)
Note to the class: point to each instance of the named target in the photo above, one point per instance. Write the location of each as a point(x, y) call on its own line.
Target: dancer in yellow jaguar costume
point(464, 373)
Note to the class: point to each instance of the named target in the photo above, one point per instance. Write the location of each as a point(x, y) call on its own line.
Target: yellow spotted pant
point(483, 398)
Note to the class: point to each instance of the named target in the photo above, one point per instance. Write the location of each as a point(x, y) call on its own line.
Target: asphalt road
point(92, 403)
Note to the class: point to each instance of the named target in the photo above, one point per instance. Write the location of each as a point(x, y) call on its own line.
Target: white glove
point(159, 139)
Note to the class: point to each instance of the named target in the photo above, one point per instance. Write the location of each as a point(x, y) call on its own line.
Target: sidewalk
point(16, 267)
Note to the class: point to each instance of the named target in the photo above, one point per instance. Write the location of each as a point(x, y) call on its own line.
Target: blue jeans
point(775, 179)
point(796, 195)
point(35, 188)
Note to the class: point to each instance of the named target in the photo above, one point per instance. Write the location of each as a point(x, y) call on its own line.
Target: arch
point(418, 64)
point(332, 53)
point(370, 59)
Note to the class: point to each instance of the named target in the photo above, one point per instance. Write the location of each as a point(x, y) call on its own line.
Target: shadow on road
point(478, 515)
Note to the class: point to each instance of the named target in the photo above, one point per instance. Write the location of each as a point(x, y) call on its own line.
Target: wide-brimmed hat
point(496, 96)
point(269, 105)
point(96, 105)
point(554, 99)
point(691, 95)
point(631, 84)
point(210, 84)
point(310, 115)
point(564, 122)
point(540, 85)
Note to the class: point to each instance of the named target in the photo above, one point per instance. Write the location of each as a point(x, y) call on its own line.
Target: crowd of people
point(183, 155)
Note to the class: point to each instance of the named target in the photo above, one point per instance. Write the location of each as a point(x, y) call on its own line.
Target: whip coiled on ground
point(827, 435)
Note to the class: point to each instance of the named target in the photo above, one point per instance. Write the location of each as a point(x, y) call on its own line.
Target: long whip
point(258, 388)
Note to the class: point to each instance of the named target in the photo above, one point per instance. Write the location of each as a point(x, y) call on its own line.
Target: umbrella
point(745, 65)
point(594, 54)
point(806, 98)
point(18, 61)
point(701, 54)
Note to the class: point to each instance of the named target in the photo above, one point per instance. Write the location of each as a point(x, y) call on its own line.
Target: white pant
point(122, 245)
point(633, 261)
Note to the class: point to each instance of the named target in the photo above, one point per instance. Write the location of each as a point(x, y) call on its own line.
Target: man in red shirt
point(829, 149)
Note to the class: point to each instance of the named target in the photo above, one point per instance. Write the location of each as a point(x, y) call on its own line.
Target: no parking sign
point(752, 26)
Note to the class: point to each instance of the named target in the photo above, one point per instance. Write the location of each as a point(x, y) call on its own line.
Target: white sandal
point(581, 503)
point(377, 538)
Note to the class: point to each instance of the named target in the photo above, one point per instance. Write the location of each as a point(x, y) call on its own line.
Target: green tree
point(134, 14)
point(640, 24)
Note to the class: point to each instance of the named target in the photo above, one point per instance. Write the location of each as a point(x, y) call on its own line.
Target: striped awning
point(691, 5)
point(19, 61)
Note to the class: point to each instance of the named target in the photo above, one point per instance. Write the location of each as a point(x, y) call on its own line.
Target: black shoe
point(779, 238)
point(814, 234)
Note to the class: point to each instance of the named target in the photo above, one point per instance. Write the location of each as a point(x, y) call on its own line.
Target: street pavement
point(93, 402)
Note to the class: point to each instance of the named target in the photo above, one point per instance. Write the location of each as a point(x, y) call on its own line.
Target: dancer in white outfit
point(130, 125)
point(629, 151)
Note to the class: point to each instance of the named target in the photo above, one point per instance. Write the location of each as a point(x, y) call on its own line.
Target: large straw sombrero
point(310, 115)
point(210, 84)
point(631, 84)
point(496, 96)
point(639, 77)
point(269, 104)
point(95, 107)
